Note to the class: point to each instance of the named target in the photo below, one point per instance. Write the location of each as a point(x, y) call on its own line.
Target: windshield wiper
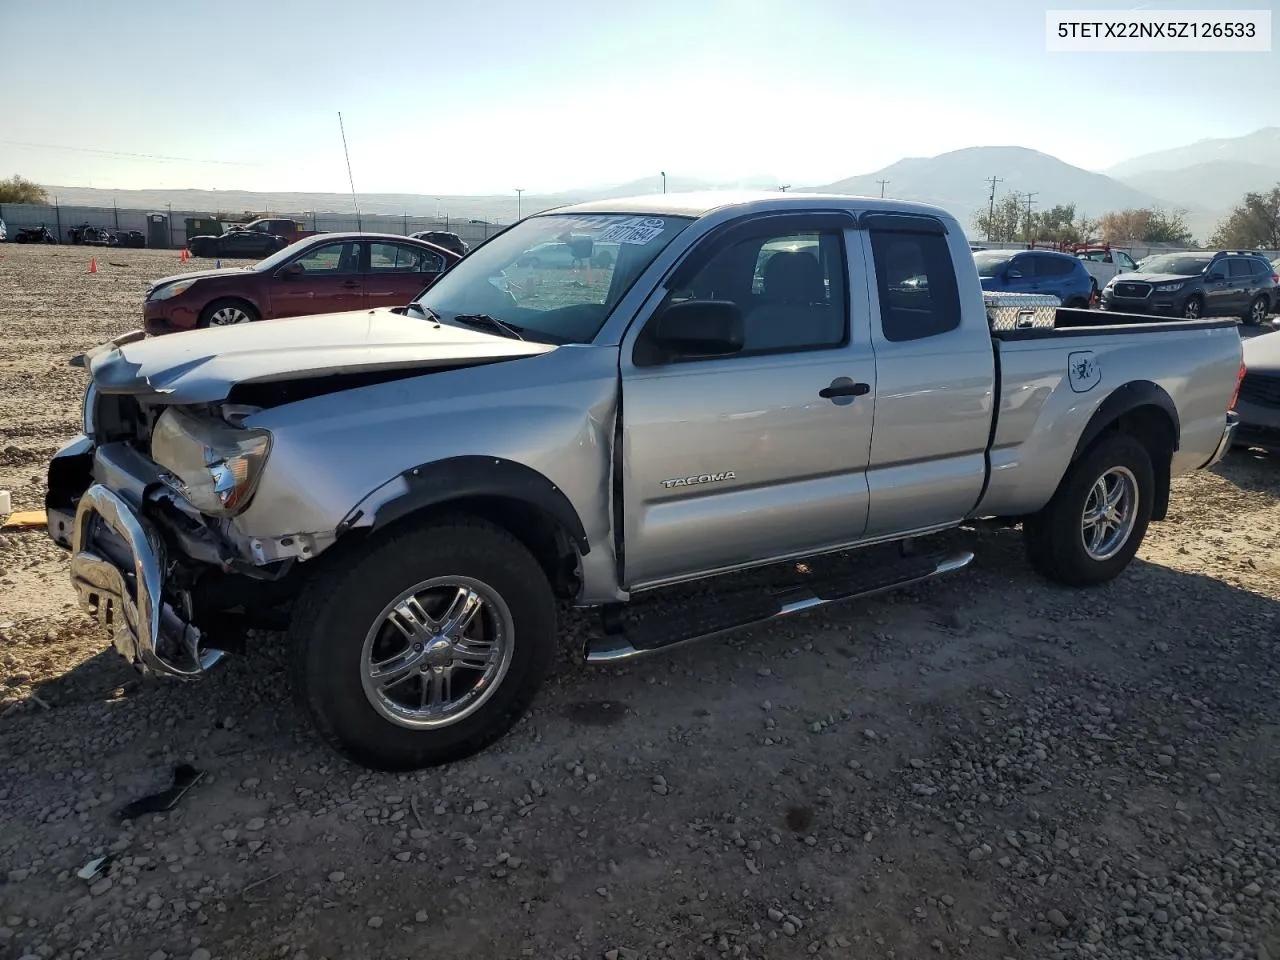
point(425, 311)
point(485, 320)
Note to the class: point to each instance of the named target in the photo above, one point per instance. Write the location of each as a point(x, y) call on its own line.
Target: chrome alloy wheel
point(1258, 312)
point(437, 652)
point(1110, 511)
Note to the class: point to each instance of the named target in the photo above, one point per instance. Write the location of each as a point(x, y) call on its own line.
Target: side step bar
point(633, 638)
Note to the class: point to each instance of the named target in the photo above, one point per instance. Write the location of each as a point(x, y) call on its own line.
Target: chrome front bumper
point(1228, 437)
point(128, 602)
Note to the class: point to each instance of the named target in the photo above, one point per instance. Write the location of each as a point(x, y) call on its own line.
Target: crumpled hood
point(201, 366)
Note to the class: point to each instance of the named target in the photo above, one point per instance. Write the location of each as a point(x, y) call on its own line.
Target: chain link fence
point(167, 229)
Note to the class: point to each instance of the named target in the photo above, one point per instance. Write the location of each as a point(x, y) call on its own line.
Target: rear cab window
point(916, 284)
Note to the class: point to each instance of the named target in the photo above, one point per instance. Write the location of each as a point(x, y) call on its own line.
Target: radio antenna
point(354, 202)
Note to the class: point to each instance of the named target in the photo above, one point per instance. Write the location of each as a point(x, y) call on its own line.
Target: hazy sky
point(482, 96)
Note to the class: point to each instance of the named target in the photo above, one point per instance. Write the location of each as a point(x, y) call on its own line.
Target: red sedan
point(327, 273)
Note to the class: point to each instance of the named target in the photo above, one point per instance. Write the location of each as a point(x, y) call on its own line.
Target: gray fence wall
point(61, 218)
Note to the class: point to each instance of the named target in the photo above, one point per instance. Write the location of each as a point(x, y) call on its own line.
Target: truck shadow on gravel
point(988, 762)
point(1254, 470)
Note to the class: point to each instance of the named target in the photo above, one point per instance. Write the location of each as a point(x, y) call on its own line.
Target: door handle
point(351, 284)
point(843, 387)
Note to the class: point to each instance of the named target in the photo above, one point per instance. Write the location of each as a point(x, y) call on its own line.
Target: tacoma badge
point(703, 478)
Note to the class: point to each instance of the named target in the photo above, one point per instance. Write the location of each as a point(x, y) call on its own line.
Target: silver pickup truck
point(753, 381)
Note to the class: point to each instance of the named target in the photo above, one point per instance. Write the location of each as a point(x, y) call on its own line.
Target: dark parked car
point(237, 243)
point(1258, 401)
point(327, 273)
point(441, 238)
point(1035, 271)
point(1230, 283)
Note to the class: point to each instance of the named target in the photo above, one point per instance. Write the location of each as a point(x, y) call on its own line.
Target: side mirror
point(580, 247)
point(699, 328)
point(1014, 275)
point(289, 271)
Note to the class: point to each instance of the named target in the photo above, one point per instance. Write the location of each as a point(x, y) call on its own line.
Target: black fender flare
point(1125, 399)
point(460, 478)
point(1122, 400)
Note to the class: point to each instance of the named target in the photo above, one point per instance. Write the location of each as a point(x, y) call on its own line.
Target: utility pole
point(1029, 202)
point(784, 187)
point(991, 207)
point(664, 181)
point(519, 203)
point(882, 183)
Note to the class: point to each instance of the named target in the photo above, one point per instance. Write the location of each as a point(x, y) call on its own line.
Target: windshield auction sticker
point(633, 230)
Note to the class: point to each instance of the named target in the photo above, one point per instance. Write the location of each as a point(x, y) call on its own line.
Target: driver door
point(731, 460)
point(330, 282)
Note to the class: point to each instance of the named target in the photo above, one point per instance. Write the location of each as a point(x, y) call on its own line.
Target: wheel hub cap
point(437, 652)
point(1110, 511)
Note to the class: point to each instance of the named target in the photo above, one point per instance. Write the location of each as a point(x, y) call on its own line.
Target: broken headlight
point(215, 466)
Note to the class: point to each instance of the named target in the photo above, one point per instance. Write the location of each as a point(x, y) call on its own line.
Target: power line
point(156, 157)
point(991, 209)
point(1030, 194)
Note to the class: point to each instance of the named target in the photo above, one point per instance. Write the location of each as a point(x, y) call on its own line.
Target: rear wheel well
point(1152, 427)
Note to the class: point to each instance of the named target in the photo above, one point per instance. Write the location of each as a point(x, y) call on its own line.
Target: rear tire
point(1257, 313)
point(343, 626)
point(1061, 543)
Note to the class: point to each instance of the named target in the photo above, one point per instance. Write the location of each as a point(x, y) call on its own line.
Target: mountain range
point(1205, 179)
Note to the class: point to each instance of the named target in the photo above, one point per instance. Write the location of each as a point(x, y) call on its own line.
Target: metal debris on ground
point(185, 777)
point(95, 868)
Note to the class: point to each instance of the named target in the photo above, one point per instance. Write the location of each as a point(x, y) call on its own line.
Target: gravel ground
point(985, 767)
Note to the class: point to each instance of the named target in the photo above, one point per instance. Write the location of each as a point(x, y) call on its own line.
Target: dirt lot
point(983, 767)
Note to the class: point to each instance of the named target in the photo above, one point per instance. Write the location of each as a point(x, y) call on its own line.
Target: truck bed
point(1050, 381)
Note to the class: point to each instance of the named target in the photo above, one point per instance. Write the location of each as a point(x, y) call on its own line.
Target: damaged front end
point(144, 501)
point(149, 499)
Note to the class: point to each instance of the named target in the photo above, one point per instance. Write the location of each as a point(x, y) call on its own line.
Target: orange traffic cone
point(93, 264)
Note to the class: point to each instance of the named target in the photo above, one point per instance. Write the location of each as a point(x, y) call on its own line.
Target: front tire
point(426, 647)
point(1091, 529)
point(226, 313)
point(1193, 309)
